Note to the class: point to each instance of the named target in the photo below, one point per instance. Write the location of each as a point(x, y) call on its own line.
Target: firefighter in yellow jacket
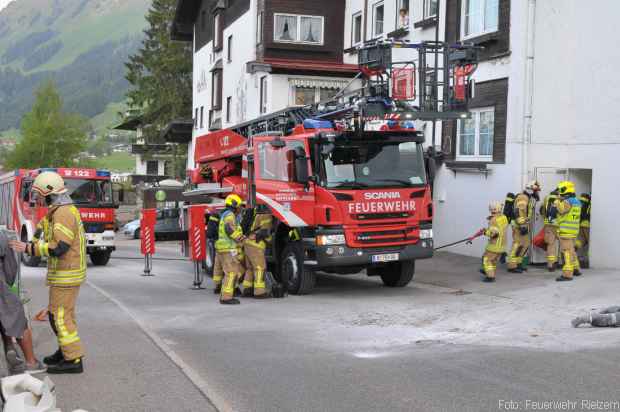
point(496, 232)
point(227, 248)
point(583, 240)
point(258, 236)
point(567, 211)
point(60, 238)
point(550, 230)
point(523, 215)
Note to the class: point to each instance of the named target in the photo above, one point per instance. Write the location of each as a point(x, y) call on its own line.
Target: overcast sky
point(3, 3)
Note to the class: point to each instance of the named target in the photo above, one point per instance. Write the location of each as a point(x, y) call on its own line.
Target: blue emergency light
point(317, 124)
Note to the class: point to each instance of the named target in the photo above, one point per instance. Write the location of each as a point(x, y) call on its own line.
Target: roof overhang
point(303, 67)
point(182, 28)
point(178, 131)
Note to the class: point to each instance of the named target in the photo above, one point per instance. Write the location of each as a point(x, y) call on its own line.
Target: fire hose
point(467, 240)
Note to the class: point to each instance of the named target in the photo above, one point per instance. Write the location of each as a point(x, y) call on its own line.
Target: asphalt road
point(447, 342)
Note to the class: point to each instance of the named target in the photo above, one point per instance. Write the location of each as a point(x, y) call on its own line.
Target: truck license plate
point(388, 257)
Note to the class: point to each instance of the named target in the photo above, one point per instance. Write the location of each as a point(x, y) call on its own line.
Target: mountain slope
point(80, 44)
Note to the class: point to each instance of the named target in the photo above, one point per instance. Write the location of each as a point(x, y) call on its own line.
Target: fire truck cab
point(91, 191)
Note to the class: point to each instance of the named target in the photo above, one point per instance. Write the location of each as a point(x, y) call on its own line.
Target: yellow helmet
point(49, 183)
point(496, 207)
point(566, 187)
point(233, 201)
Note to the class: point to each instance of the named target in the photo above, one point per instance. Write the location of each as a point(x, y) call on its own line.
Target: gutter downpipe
point(528, 102)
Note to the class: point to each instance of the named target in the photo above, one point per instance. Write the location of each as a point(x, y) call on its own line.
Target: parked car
point(166, 227)
point(132, 229)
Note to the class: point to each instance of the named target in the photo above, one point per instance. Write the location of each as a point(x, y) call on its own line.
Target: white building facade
point(544, 105)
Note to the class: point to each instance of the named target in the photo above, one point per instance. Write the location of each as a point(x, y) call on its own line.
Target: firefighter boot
point(580, 320)
point(54, 359)
point(248, 292)
point(563, 279)
point(218, 289)
point(232, 301)
point(66, 366)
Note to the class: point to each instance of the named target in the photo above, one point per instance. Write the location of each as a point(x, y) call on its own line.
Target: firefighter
point(496, 232)
point(230, 239)
point(583, 240)
point(567, 212)
point(523, 212)
point(550, 230)
point(254, 247)
point(62, 241)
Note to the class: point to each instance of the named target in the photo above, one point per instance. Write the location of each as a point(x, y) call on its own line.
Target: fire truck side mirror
point(302, 174)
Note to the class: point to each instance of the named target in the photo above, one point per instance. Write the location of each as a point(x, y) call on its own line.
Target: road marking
point(221, 405)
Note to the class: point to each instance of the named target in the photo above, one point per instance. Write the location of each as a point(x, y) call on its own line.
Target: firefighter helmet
point(565, 188)
point(49, 183)
point(496, 207)
point(533, 186)
point(233, 201)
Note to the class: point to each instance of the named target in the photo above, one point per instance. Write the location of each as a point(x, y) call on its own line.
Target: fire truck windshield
point(84, 191)
point(373, 164)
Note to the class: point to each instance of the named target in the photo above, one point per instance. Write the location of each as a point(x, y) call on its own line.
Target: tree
point(50, 137)
point(160, 75)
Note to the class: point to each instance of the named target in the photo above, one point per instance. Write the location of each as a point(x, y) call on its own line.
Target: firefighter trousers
point(255, 265)
point(571, 263)
point(551, 239)
point(583, 244)
point(218, 271)
point(520, 245)
point(62, 301)
point(489, 263)
point(232, 271)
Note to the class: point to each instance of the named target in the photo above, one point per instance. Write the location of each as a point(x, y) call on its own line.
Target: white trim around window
point(487, 14)
point(357, 31)
point(474, 136)
point(429, 5)
point(298, 20)
point(375, 21)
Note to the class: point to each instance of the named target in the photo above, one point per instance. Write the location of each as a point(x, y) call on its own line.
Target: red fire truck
point(91, 191)
point(344, 198)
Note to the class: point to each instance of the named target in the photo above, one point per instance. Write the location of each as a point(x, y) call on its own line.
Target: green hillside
point(81, 44)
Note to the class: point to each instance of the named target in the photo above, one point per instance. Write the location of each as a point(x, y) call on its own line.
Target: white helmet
point(49, 183)
point(496, 207)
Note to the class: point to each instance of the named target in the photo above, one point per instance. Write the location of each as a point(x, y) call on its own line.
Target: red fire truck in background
point(91, 191)
point(345, 196)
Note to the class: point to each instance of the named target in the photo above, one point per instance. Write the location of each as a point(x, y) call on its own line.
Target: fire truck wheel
point(397, 275)
point(100, 257)
point(300, 279)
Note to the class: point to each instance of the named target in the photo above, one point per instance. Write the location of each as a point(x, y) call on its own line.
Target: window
point(402, 15)
point(480, 17)
point(228, 108)
point(475, 135)
point(356, 29)
point(152, 167)
point(377, 19)
point(291, 28)
point(202, 112)
point(218, 32)
point(263, 94)
point(229, 48)
point(259, 28)
point(430, 8)
point(216, 91)
point(278, 164)
point(305, 95)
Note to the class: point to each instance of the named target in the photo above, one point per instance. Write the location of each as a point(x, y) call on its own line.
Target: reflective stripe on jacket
point(569, 214)
point(229, 232)
point(524, 210)
point(547, 204)
point(63, 223)
point(260, 222)
point(496, 232)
